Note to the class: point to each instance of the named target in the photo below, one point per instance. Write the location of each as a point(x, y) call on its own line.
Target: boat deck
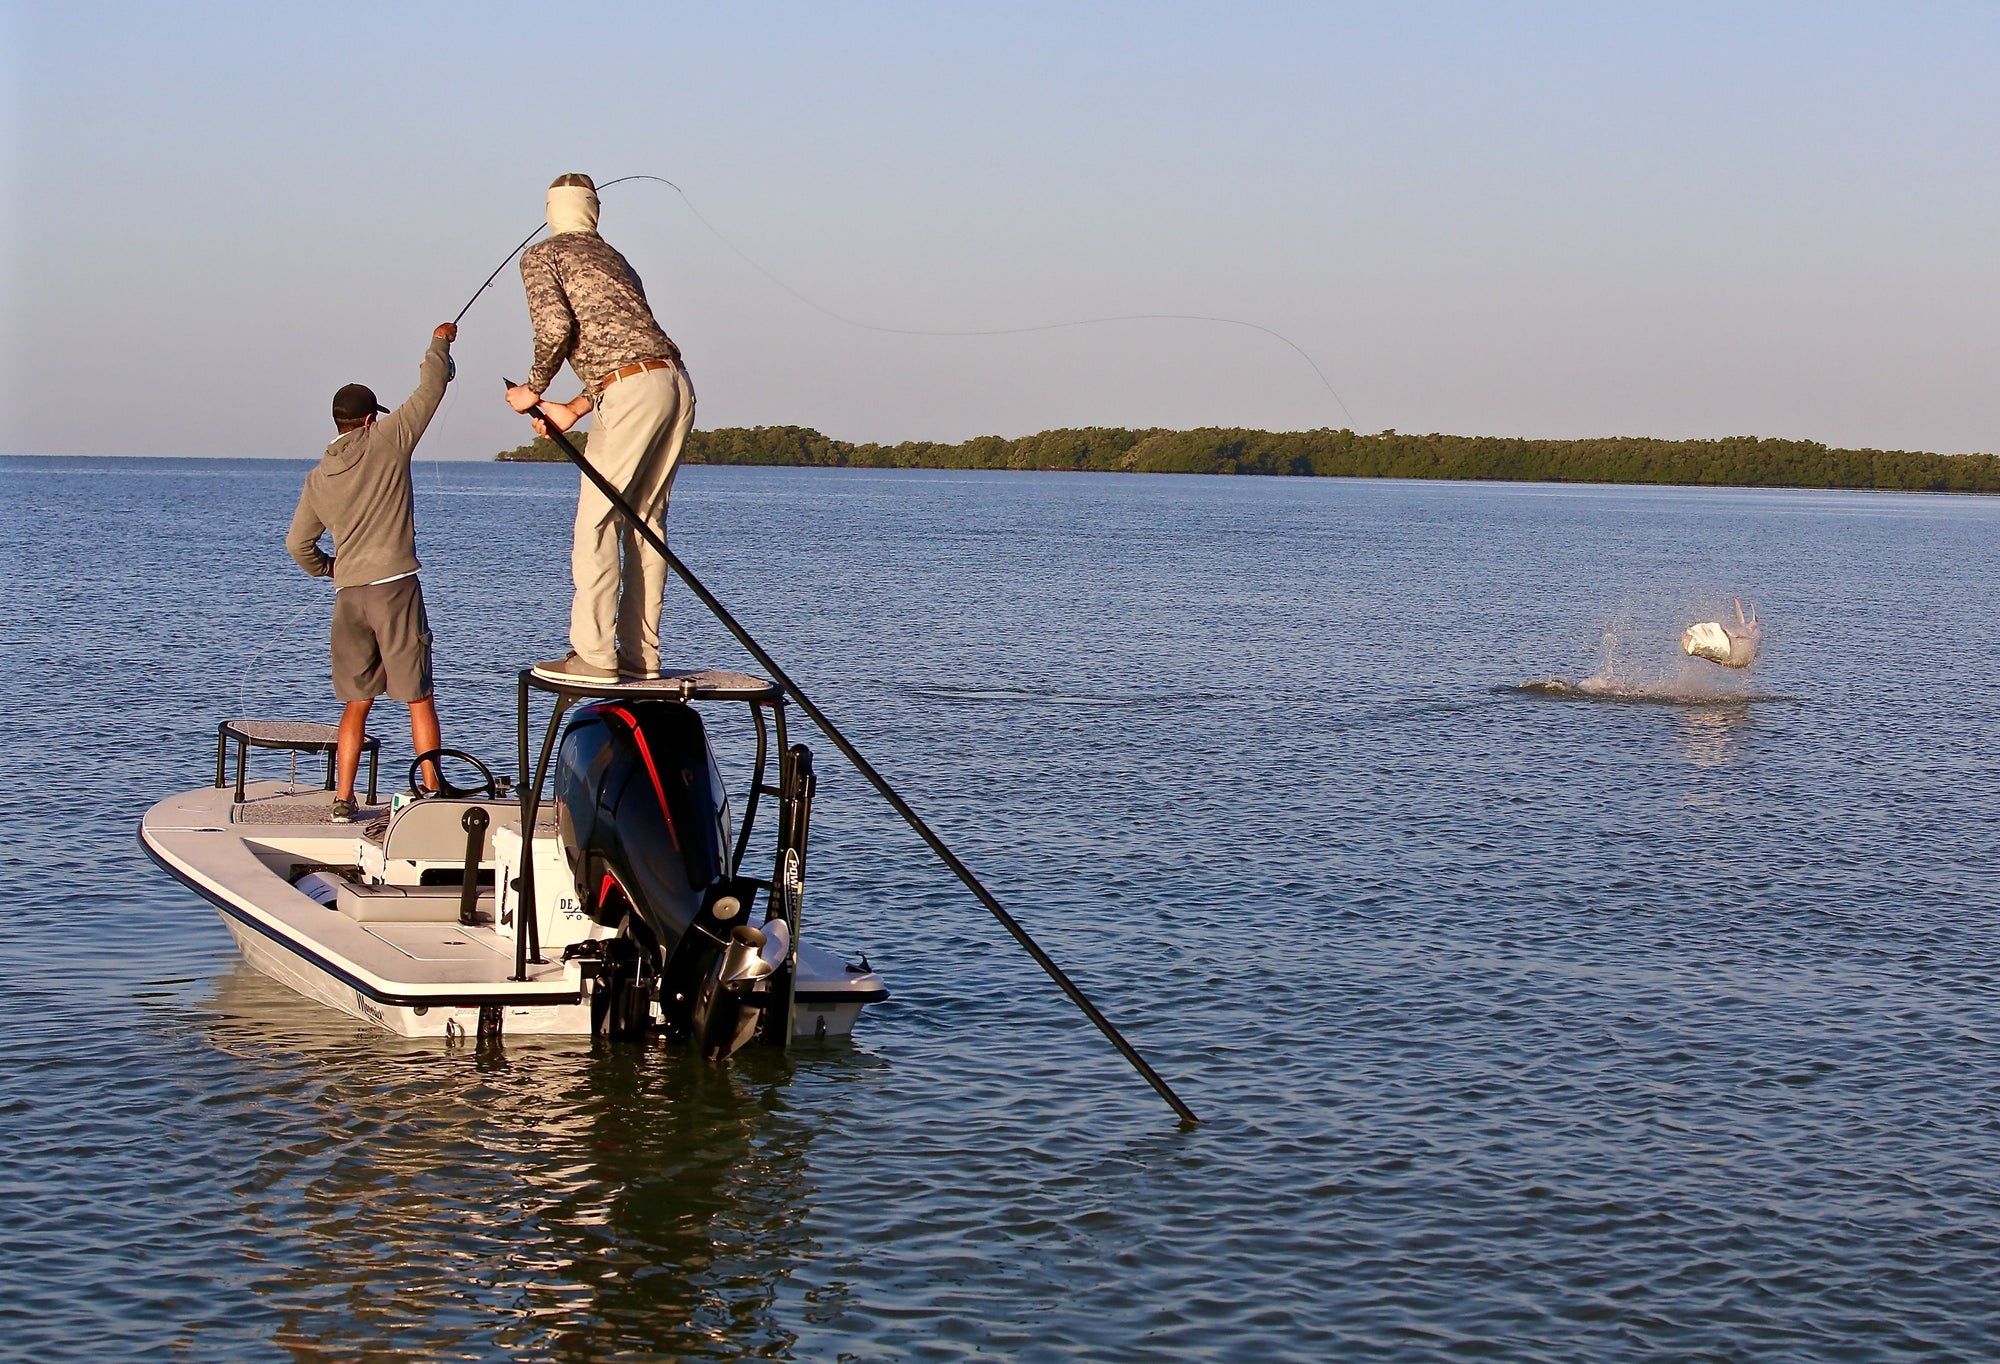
point(293, 807)
point(244, 859)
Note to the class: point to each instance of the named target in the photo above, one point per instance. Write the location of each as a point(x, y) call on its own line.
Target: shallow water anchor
point(865, 768)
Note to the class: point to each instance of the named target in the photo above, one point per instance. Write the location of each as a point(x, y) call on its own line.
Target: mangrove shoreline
point(1736, 461)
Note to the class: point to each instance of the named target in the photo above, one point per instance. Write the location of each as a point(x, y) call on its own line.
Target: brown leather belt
point(629, 370)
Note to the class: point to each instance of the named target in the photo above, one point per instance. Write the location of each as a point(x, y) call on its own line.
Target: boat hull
point(812, 1020)
point(451, 1022)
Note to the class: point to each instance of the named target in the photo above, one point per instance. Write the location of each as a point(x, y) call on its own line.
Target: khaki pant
point(635, 442)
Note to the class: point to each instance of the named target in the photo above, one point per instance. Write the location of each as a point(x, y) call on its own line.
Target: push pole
point(866, 768)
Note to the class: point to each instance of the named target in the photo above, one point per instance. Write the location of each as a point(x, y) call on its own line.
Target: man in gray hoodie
point(360, 491)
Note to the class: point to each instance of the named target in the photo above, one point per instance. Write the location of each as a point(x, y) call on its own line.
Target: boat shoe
point(570, 668)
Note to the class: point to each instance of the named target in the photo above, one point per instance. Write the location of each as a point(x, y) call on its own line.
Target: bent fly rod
point(863, 766)
point(476, 293)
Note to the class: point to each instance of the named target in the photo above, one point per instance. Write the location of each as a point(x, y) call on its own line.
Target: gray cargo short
point(381, 642)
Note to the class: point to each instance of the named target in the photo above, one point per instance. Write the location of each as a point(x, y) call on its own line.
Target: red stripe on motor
point(645, 752)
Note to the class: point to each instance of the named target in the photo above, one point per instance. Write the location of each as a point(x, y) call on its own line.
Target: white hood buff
point(572, 208)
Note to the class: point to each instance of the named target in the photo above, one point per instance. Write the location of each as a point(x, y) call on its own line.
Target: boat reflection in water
point(536, 1201)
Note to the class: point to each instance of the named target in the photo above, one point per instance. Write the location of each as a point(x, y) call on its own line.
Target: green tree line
point(1736, 461)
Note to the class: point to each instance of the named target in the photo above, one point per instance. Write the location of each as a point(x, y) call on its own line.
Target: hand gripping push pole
point(865, 768)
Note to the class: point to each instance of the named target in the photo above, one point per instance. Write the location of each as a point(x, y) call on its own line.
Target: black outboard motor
point(644, 821)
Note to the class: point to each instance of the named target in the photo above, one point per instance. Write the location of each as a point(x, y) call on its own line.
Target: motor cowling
point(644, 822)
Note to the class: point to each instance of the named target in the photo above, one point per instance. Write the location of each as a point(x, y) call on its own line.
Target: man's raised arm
point(405, 426)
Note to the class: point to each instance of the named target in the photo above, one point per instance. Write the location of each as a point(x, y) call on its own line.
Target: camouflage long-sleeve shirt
point(588, 308)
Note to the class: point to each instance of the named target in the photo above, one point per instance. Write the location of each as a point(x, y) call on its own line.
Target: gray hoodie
point(360, 490)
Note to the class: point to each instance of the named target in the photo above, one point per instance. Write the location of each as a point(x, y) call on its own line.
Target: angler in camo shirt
point(589, 308)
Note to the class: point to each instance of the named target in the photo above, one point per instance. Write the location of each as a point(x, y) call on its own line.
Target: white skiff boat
point(644, 920)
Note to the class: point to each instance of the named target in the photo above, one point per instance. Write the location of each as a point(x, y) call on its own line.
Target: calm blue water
point(1525, 1028)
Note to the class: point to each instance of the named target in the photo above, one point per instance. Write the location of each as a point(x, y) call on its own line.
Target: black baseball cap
point(355, 401)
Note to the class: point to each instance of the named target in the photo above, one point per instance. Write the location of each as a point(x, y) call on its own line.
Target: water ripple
point(1523, 1031)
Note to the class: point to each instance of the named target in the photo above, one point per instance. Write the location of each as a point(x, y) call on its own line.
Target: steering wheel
point(489, 788)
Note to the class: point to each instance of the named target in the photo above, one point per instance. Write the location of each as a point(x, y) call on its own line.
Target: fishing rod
point(539, 227)
point(496, 273)
point(863, 766)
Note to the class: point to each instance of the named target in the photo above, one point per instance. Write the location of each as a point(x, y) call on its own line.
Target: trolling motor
point(644, 820)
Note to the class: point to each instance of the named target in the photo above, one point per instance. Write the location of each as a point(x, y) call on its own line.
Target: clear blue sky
point(1524, 219)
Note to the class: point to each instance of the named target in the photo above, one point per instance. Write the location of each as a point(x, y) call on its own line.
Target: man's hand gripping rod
point(863, 766)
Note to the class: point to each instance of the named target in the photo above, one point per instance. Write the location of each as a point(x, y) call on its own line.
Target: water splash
point(1640, 660)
